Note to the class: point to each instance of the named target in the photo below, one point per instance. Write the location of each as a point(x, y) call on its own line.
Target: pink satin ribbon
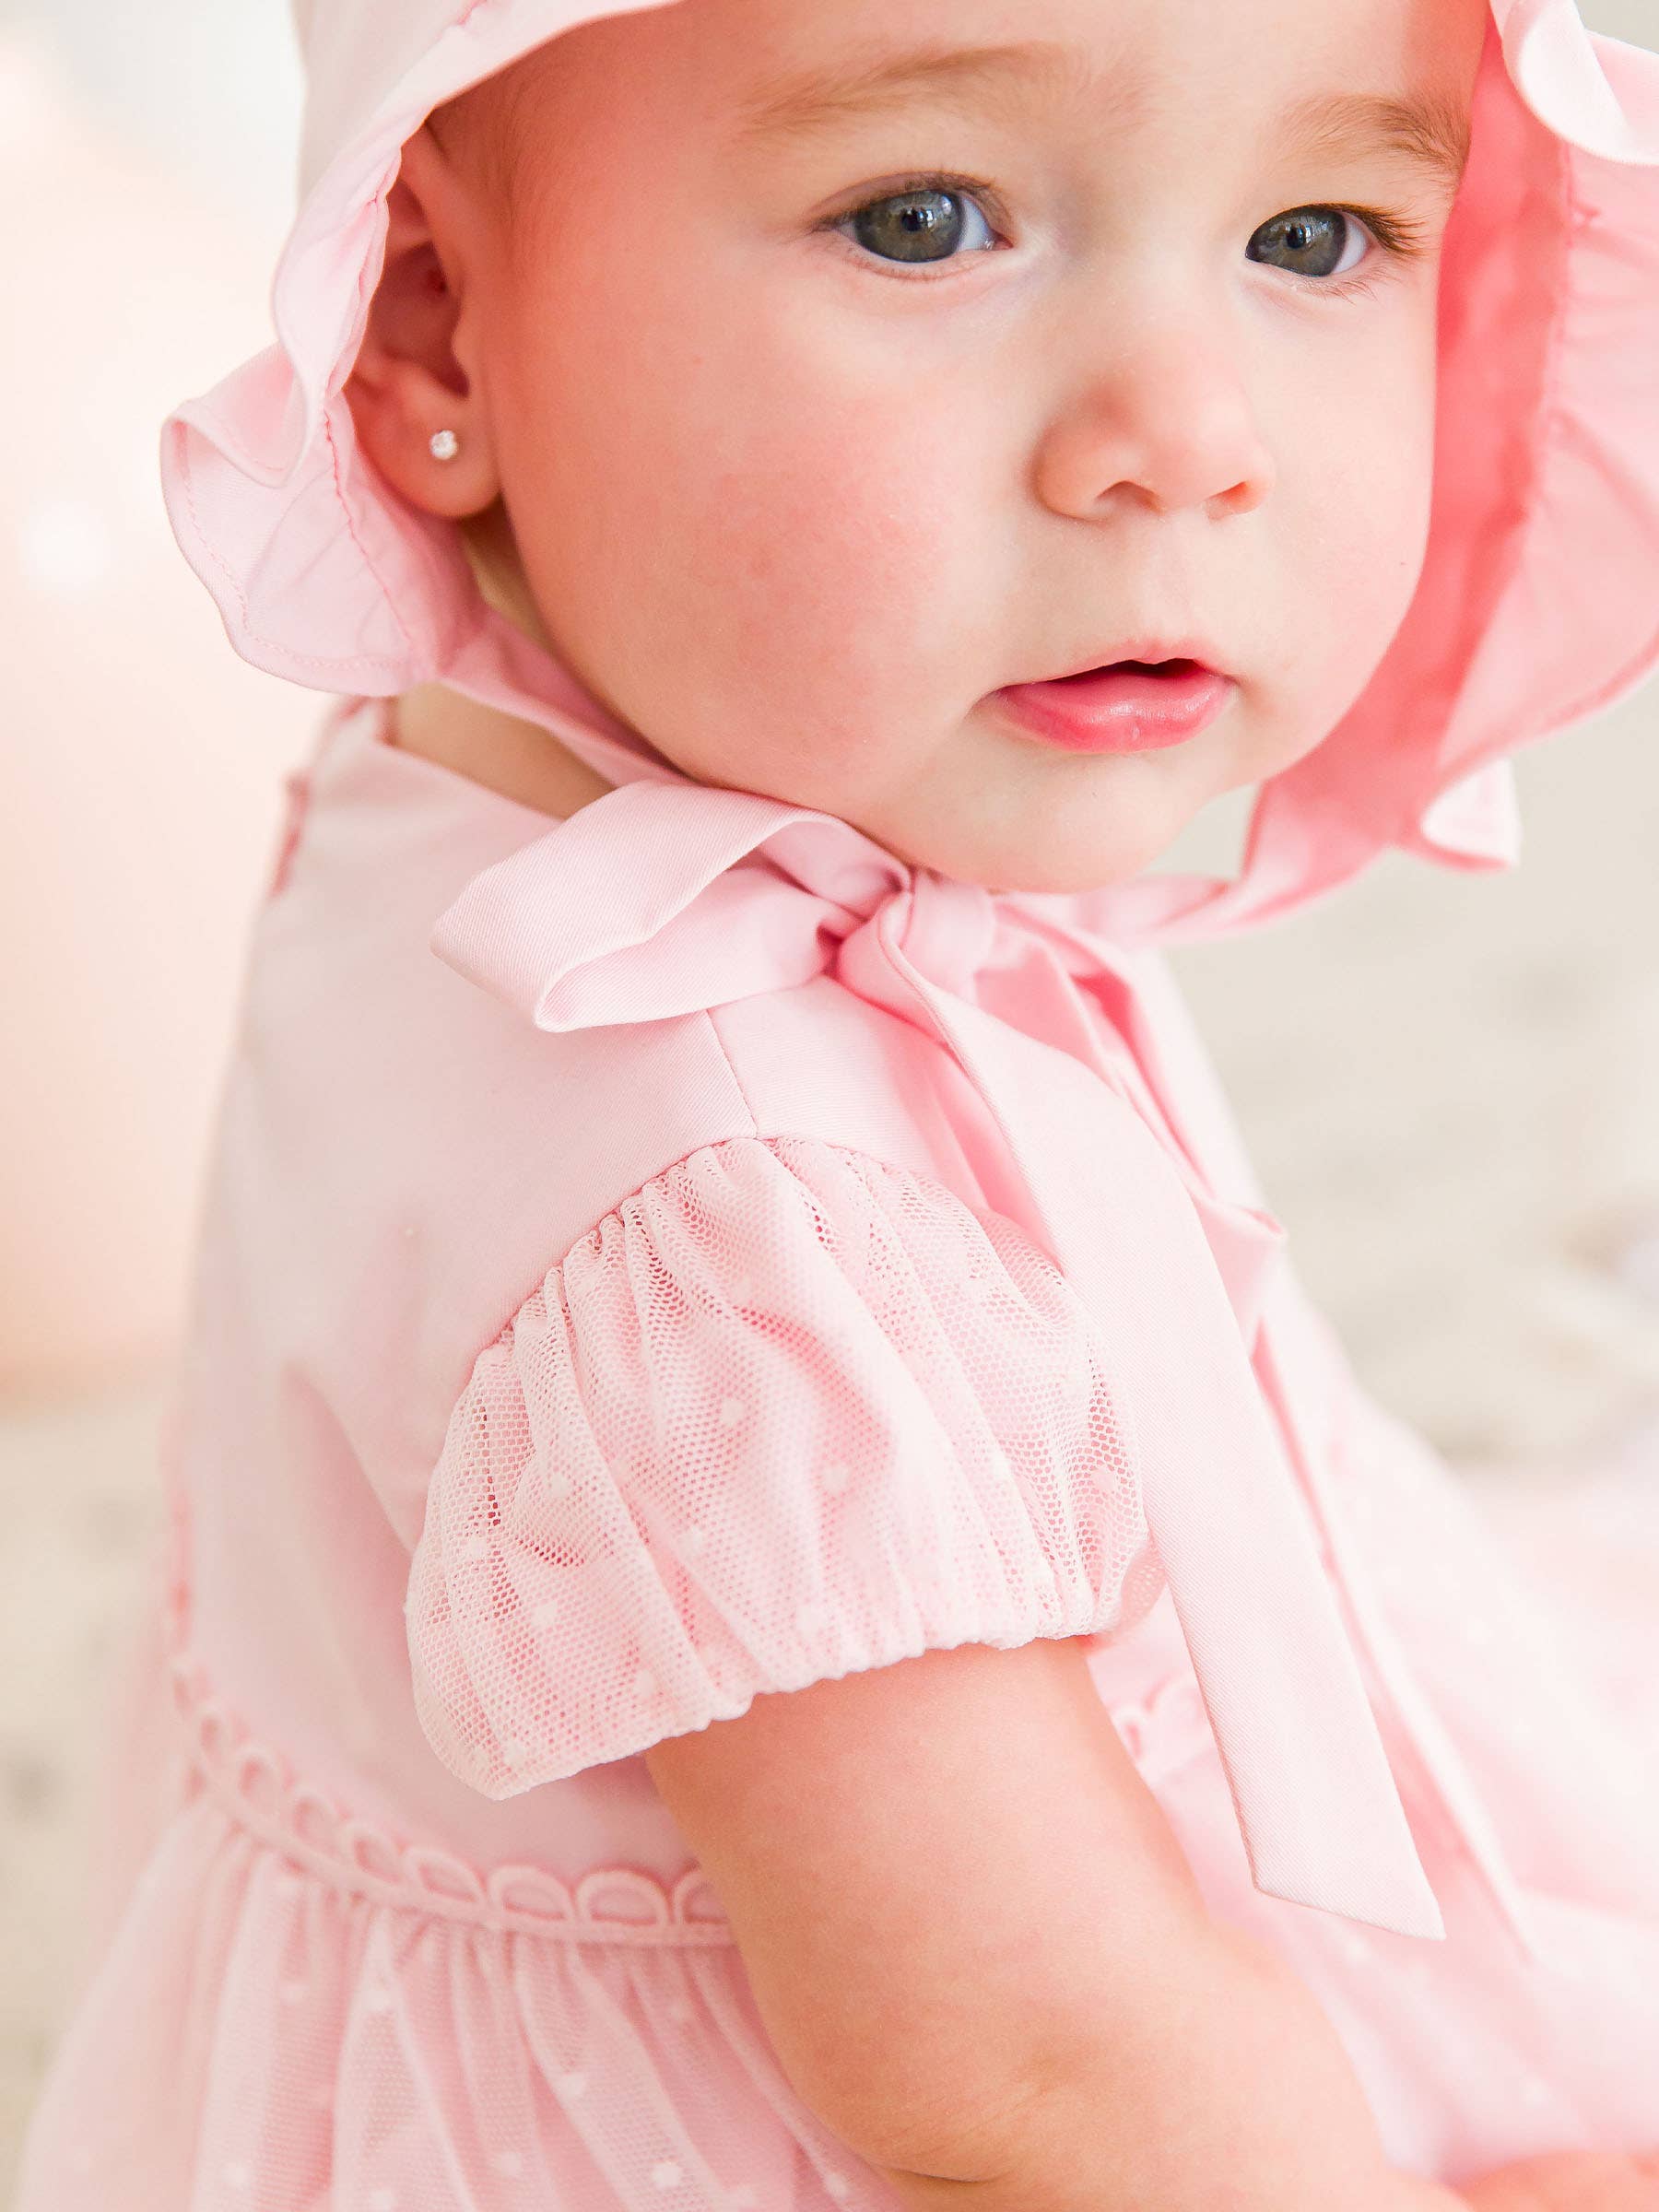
point(666, 898)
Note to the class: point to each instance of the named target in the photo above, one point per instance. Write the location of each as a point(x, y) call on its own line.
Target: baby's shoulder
point(568, 1125)
point(670, 1151)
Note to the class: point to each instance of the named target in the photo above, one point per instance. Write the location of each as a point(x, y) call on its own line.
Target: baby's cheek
point(845, 565)
point(1363, 528)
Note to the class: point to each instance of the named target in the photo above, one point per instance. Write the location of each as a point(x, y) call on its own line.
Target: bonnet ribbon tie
point(728, 894)
point(1119, 981)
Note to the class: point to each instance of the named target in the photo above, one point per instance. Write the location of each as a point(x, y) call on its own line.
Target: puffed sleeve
point(787, 1413)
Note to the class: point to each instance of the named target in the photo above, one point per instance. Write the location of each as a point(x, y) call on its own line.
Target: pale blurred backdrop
point(1450, 1084)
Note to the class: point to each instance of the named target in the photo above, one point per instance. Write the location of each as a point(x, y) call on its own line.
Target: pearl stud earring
point(446, 445)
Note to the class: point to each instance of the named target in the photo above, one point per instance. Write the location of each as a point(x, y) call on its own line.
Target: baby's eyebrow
point(1427, 128)
point(963, 75)
point(1424, 127)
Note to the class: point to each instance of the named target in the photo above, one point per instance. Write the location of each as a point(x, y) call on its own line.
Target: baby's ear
point(408, 386)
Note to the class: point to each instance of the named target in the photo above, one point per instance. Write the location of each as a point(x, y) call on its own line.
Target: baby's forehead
point(774, 76)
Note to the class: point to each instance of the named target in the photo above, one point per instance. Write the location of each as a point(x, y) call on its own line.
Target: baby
point(819, 1398)
point(820, 401)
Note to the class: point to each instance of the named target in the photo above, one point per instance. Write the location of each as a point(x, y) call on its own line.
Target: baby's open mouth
point(1153, 669)
point(1129, 706)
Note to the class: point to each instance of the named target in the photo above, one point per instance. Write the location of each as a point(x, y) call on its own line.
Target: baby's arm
point(984, 1963)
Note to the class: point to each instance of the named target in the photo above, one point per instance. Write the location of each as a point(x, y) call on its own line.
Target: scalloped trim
point(254, 1786)
point(251, 1781)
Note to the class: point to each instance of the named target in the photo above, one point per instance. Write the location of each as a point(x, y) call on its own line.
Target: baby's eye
point(1311, 241)
point(926, 222)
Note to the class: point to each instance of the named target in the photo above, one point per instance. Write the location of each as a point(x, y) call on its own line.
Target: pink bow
point(727, 894)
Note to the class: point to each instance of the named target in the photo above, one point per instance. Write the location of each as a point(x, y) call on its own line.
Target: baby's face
point(825, 410)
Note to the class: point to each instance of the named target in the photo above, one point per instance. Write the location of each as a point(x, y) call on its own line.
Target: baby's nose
point(1167, 419)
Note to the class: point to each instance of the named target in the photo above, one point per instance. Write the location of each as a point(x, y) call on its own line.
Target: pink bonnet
point(1539, 599)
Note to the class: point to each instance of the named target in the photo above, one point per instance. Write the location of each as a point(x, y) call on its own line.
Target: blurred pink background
point(1451, 1084)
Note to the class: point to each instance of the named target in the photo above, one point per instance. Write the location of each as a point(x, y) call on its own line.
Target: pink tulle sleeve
point(787, 1413)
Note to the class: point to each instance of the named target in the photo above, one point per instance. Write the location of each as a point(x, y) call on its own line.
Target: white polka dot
point(572, 2085)
point(476, 1547)
point(695, 1538)
point(839, 2186)
point(377, 2000)
point(238, 2174)
point(836, 1477)
point(547, 1613)
point(644, 1683)
point(732, 1411)
point(810, 1619)
point(744, 2197)
point(293, 1993)
point(666, 2174)
point(508, 2163)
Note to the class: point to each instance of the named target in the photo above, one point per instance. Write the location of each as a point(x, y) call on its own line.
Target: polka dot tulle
point(786, 1412)
point(673, 1482)
point(342, 2017)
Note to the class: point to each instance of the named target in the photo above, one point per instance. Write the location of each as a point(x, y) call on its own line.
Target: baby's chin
point(1062, 850)
point(1017, 819)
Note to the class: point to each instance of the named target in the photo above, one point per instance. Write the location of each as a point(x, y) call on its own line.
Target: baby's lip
point(1149, 653)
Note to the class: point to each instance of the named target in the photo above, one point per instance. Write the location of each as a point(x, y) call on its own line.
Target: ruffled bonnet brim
point(1539, 599)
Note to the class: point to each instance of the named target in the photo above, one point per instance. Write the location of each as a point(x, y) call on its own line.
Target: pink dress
point(573, 1361)
point(684, 1253)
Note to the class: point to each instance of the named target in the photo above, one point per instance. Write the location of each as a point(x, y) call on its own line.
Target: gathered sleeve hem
point(787, 1413)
